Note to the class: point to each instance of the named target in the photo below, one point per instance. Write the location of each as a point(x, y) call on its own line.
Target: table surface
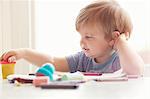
point(131, 89)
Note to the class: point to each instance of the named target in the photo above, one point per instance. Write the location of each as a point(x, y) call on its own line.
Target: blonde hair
point(106, 15)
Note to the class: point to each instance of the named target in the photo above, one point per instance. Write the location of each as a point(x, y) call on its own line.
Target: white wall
point(14, 28)
point(55, 24)
point(139, 11)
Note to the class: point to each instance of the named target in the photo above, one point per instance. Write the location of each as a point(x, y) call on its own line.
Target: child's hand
point(118, 38)
point(11, 56)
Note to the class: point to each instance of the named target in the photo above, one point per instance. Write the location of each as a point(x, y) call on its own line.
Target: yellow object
point(7, 69)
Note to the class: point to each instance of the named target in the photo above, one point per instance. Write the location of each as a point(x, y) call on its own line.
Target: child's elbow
point(139, 71)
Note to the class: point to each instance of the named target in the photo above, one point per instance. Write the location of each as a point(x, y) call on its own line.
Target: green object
point(73, 76)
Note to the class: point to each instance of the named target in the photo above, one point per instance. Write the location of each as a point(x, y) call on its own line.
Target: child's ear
point(115, 34)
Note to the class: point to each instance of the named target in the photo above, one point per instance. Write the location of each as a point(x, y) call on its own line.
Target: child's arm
point(36, 58)
point(130, 61)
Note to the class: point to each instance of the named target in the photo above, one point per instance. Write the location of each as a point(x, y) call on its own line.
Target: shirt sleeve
point(116, 64)
point(73, 61)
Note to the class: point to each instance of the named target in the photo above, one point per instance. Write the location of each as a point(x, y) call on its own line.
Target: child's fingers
point(7, 55)
point(124, 36)
point(127, 35)
point(2, 57)
point(115, 35)
point(12, 59)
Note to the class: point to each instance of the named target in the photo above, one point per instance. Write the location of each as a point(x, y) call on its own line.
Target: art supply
point(133, 76)
point(17, 83)
point(92, 74)
point(20, 78)
point(0, 72)
point(46, 70)
point(73, 76)
point(7, 68)
point(40, 81)
point(60, 85)
point(31, 74)
point(112, 79)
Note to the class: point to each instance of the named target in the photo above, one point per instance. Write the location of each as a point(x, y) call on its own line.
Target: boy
point(104, 28)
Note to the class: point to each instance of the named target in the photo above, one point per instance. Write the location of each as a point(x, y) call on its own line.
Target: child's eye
point(88, 37)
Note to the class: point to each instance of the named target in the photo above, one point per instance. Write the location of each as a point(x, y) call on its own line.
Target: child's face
point(93, 43)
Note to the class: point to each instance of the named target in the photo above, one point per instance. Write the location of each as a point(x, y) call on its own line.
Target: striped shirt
point(80, 62)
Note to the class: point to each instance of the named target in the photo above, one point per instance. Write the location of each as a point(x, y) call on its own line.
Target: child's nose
point(82, 43)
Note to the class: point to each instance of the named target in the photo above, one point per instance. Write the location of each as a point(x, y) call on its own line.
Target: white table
point(131, 89)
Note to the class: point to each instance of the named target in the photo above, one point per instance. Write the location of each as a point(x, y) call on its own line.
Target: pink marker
point(133, 76)
point(40, 80)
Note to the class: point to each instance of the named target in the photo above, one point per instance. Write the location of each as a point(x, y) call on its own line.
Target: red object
point(39, 74)
point(92, 74)
point(6, 62)
point(21, 80)
point(40, 81)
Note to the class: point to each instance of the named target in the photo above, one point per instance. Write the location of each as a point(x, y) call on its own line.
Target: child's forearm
point(131, 62)
point(35, 57)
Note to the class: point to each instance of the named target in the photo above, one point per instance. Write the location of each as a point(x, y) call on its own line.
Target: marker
point(111, 79)
point(92, 74)
point(31, 74)
point(133, 76)
point(60, 86)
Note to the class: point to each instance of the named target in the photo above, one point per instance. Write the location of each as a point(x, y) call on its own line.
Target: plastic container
point(0, 72)
point(7, 68)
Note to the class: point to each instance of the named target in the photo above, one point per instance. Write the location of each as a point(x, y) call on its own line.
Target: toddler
point(104, 28)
